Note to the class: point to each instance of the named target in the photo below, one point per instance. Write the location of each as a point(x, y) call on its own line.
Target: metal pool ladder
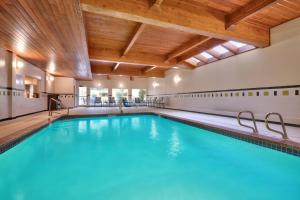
point(254, 129)
point(283, 132)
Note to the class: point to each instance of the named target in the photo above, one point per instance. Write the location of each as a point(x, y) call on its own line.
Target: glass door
point(82, 101)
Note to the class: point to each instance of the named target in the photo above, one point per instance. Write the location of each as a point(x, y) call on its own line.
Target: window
point(237, 44)
point(220, 49)
point(32, 87)
point(206, 55)
point(193, 61)
point(99, 92)
point(119, 93)
point(82, 95)
point(139, 93)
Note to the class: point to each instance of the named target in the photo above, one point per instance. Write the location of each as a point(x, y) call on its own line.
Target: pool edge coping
point(285, 146)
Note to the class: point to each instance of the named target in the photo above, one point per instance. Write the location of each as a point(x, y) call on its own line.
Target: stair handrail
point(50, 106)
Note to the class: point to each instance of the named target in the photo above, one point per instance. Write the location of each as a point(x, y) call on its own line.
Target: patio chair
point(161, 102)
point(111, 101)
point(97, 100)
point(154, 102)
point(137, 101)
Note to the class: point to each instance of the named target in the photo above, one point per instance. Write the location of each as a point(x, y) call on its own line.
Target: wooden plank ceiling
point(48, 33)
point(137, 37)
point(161, 34)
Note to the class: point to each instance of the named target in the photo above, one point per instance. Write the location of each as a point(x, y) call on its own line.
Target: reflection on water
point(94, 124)
point(19, 195)
point(64, 136)
point(175, 146)
point(153, 132)
point(135, 122)
point(82, 126)
point(98, 127)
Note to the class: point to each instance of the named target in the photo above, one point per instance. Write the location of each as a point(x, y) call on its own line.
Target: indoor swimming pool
point(134, 157)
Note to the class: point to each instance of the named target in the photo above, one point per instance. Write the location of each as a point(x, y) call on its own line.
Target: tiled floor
point(11, 128)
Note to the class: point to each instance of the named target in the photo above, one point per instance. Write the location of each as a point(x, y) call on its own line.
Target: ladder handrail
point(254, 129)
point(283, 133)
point(50, 103)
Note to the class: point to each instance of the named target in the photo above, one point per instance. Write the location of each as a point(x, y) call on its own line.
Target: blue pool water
point(143, 157)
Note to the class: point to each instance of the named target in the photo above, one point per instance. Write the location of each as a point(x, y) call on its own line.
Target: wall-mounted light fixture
point(2, 63)
point(51, 67)
point(177, 79)
point(50, 78)
point(155, 84)
point(99, 84)
point(121, 85)
point(19, 80)
point(20, 64)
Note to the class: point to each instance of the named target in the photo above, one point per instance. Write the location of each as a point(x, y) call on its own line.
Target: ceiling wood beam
point(247, 11)
point(125, 71)
point(157, 2)
point(202, 60)
point(135, 36)
point(148, 69)
point(188, 65)
point(116, 66)
point(131, 58)
point(202, 23)
point(205, 46)
point(187, 47)
point(215, 55)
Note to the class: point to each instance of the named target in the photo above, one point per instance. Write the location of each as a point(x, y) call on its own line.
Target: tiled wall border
point(284, 146)
point(242, 92)
point(276, 91)
point(8, 91)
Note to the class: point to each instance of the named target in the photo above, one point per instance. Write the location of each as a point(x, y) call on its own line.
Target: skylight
point(192, 61)
point(237, 44)
point(220, 49)
point(206, 55)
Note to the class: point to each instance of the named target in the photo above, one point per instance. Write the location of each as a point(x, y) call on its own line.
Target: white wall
point(22, 105)
point(12, 100)
point(5, 82)
point(277, 65)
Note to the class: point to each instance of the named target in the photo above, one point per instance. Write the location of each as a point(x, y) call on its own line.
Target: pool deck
point(16, 128)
